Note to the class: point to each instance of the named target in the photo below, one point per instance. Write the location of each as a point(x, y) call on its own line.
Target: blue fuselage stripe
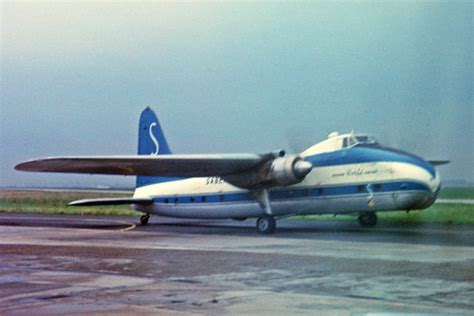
point(300, 192)
point(363, 154)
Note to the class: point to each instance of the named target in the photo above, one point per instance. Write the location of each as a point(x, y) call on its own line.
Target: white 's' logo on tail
point(153, 138)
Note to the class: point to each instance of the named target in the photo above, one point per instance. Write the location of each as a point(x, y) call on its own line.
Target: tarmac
point(65, 264)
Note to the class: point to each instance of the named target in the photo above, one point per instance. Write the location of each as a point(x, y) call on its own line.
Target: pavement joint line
point(131, 226)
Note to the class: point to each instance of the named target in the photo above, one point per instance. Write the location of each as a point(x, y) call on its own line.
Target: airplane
point(345, 174)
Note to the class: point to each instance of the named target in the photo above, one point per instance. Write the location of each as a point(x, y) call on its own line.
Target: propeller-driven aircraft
point(344, 174)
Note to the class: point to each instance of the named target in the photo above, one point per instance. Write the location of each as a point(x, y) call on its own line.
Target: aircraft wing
point(110, 201)
point(201, 165)
point(438, 162)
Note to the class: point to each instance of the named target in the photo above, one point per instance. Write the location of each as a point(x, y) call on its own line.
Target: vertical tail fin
point(151, 141)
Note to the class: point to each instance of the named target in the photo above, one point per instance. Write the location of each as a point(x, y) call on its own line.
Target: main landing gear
point(144, 219)
point(367, 219)
point(266, 224)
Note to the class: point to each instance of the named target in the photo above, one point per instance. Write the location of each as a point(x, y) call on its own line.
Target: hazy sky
point(233, 77)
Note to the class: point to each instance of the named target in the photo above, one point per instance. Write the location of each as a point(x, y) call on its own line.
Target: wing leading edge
point(163, 165)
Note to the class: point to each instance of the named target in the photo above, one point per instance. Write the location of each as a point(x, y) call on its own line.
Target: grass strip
point(456, 193)
point(56, 203)
point(40, 202)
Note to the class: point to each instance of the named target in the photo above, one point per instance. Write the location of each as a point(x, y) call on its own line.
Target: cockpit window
point(344, 142)
point(361, 139)
point(351, 141)
point(358, 140)
point(365, 139)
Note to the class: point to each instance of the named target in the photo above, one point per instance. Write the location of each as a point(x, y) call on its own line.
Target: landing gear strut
point(367, 219)
point(266, 224)
point(144, 219)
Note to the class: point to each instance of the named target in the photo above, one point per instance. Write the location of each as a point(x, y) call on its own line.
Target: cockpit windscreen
point(354, 140)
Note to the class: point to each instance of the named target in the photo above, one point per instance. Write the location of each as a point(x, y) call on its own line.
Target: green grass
point(456, 193)
point(436, 214)
point(56, 203)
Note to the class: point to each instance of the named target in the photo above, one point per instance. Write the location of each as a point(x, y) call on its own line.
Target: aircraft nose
point(420, 182)
point(302, 168)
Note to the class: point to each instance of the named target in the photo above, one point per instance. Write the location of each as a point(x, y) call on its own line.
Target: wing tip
point(439, 162)
point(30, 165)
point(23, 166)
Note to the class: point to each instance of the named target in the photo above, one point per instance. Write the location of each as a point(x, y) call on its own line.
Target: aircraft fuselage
point(356, 179)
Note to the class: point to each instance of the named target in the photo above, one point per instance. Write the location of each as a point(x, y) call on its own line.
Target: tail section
point(151, 141)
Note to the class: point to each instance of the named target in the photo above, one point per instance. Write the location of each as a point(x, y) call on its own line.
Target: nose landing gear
point(266, 224)
point(144, 219)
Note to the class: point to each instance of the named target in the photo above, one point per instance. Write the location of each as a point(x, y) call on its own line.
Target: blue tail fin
point(151, 141)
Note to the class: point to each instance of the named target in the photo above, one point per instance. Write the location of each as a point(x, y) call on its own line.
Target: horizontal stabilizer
point(110, 201)
point(438, 162)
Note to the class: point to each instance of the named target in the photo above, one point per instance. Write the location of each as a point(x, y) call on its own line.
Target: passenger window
point(221, 197)
point(305, 192)
point(203, 199)
point(192, 199)
point(360, 188)
point(378, 187)
point(166, 200)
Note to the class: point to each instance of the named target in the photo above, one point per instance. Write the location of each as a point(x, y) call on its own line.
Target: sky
point(233, 77)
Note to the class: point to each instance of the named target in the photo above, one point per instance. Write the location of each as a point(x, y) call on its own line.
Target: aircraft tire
point(144, 219)
point(368, 219)
point(266, 225)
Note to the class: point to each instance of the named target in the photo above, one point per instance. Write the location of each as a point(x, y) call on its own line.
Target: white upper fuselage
point(351, 173)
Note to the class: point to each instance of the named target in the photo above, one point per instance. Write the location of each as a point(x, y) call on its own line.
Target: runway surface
point(53, 264)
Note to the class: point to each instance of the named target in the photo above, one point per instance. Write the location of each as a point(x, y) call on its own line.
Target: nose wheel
point(144, 219)
point(266, 224)
point(367, 219)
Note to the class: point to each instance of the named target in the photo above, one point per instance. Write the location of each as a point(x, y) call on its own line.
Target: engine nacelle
point(287, 170)
point(277, 171)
